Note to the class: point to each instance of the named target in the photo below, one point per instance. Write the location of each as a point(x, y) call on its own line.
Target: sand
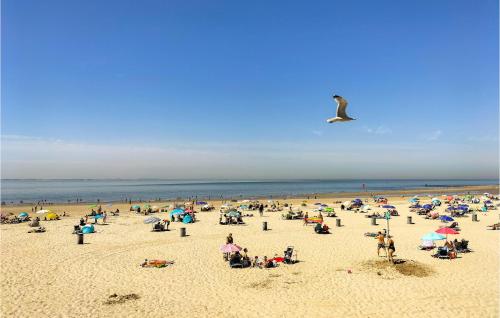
point(49, 275)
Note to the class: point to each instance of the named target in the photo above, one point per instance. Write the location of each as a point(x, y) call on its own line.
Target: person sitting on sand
point(235, 258)
point(256, 262)
point(318, 228)
point(325, 228)
point(380, 243)
point(390, 249)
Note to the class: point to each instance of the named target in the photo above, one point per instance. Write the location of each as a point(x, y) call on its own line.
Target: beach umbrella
point(446, 218)
point(23, 214)
point(151, 220)
point(388, 206)
point(229, 248)
point(136, 206)
point(201, 203)
point(433, 236)
point(177, 212)
point(414, 200)
point(427, 206)
point(446, 230)
point(366, 207)
point(331, 209)
point(43, 211)
point(98, 216)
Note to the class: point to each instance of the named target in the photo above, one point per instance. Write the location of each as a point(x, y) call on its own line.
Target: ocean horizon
point(145, 189)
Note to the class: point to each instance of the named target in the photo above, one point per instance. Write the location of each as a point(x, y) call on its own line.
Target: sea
point(14, 191)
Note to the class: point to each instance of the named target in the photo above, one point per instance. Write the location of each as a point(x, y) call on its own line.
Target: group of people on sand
point(387, 245)
point(237, 259)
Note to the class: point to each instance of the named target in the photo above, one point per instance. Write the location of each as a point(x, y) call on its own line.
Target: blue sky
point(236, 89)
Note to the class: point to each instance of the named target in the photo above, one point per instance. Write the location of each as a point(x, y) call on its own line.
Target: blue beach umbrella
point(23, 214)
point(427, 206)
point(446, 218)
point(388, 206)
point(433, 236)
point(177, 212)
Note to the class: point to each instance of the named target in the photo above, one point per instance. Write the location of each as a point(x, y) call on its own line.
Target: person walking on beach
point(261, 209)
point(380, 243)
point(390, 249)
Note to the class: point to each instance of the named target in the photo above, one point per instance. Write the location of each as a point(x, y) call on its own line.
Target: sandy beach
point(50, 275)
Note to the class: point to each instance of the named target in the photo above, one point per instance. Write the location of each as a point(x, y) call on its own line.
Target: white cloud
point(434, 135)
point(380, 130)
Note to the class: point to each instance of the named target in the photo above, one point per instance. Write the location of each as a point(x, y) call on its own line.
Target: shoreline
point(475, 189)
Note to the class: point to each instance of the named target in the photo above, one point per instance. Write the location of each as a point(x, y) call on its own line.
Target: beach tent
point(136, 207)
point(23, 214)
point(187, 219)
point(51, 216)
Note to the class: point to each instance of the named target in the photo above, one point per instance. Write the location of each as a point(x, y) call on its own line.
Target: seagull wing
point(341, 106)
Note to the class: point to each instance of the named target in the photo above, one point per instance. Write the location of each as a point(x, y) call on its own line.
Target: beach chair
point(442, 253)
point(235, 265)
point(462, 246)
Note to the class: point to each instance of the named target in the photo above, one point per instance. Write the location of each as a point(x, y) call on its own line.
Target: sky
point(234, 89)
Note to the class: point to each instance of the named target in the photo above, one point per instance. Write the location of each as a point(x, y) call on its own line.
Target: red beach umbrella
point(446, 230)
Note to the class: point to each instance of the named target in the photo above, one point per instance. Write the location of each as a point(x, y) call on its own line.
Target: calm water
point(117, 190)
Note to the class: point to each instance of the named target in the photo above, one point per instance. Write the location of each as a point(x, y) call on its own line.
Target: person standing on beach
point(380, 243)
point(229, 239)
point(261, 209)
point(390, 249)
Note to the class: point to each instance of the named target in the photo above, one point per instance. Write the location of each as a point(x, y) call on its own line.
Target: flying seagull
point(341, 114)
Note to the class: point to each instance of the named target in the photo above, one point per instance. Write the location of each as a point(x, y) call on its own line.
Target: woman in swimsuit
point(391, 249)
